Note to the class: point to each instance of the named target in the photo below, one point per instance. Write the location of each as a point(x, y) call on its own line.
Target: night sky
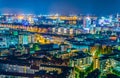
point(97, 7)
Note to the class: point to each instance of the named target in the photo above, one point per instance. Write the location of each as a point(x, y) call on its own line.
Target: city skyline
point(97, 7)
point(59, 39)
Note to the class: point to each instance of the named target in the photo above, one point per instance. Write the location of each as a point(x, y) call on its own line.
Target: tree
point(36, 47)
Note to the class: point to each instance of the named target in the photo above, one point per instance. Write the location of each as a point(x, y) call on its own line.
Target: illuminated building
point(78, 31)
point(7, 38)
point(20, 18)
point(25, 39)
point(40, 39)
point(107, 21)
point(87, 22)
point(64, 47)
point(66, 30)
point(106, 64)
point(3, 42)
point(65, 19)
point(80, 63)
point(60, 30)
point(96, 64)
point(71, 31)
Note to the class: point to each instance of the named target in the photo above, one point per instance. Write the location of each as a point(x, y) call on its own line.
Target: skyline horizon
point(80, 14)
